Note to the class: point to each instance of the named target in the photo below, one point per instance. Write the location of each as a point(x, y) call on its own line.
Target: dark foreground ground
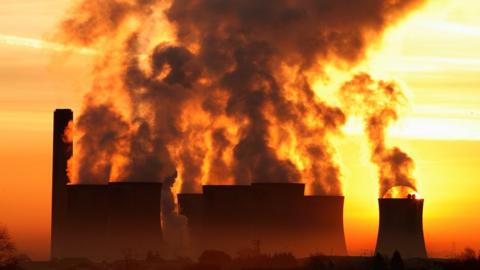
point(217, 260)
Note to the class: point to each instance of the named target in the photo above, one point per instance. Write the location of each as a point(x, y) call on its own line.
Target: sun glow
point(433, 69)
point(401, 192)
point(434, 54)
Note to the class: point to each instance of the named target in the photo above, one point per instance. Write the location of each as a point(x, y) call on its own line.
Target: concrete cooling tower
point(401, 228)
point(110, 221)
point(86, 223)
point(134, 218)
point(277, 215)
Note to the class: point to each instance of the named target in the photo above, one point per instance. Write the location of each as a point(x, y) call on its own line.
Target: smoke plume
point(218, 91)
point(378, 102)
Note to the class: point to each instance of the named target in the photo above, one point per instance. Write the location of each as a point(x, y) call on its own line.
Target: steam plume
point(220, 91)
point(378, 103)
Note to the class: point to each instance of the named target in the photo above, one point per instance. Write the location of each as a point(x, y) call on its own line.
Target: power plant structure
point(108, 221)
point(401, 227)
point(103, 221)
point(278, 216)
point(134, 216)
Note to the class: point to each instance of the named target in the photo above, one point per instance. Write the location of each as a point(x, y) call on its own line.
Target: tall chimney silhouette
point(62, 151)
point(401, 227)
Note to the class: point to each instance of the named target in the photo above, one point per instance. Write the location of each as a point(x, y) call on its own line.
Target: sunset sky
point(434, 54)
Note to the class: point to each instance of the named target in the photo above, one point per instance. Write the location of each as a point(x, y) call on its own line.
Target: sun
point(402, 192)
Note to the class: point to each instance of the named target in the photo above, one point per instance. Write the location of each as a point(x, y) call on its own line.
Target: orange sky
point(434, 55)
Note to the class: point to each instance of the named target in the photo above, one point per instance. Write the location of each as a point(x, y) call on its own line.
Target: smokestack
point(62, 151)
point(401, 227)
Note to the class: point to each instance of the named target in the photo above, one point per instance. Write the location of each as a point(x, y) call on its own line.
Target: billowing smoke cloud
point(378, 102)
point(227, 98)
point(105, 133)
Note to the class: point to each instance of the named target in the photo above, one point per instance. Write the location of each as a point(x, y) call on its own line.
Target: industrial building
point(134, 217)
point(277, 216)
point(401, 227)
point(108, 221)
point(104, 221)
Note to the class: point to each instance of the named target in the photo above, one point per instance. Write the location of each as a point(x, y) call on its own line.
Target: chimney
point(401, 228)
point(62, 151)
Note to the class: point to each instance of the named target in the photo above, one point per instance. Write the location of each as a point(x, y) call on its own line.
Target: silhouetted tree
point(468, 254)
point(468, 259)
point(379, 262)
point(396, 263)
point(7, 250)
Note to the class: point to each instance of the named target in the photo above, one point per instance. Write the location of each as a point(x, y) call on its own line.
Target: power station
point(278, 216)
point(108, 221)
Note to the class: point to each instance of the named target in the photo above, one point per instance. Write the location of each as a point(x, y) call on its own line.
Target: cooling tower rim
point(85, 185)
point(132, 183)
point(255, 184)
point(326, 196)
point(399, 199)
point(276, 184)
point(229, 187)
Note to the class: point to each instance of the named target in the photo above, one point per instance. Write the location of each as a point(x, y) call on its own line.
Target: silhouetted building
point(134, 220)
point(401, 227)
point(277, 215)
point(86, 223)
point(62, 151)
point(100, 221)
point(110, 221)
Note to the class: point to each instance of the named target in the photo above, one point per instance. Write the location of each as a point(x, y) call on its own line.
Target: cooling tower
point(86, 223)
point(277, 215)
point(226, 221)
point(134, 218)
point(62, 151)
point(401, 228)
point(324, 222)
